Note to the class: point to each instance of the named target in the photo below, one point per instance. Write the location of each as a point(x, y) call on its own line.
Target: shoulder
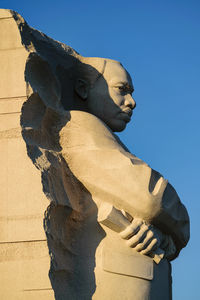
point(83, 128)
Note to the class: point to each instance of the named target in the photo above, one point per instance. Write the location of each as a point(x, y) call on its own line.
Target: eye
point(120, 88)
point(123, 90)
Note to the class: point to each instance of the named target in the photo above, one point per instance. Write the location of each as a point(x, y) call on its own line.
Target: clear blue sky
point(159, 43)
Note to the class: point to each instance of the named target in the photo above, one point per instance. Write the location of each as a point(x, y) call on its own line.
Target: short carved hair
point(90, 69)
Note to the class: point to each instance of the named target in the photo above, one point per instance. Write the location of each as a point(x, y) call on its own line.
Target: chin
point(118, 126)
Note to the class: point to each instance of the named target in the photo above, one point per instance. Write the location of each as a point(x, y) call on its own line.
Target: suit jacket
point(96, 167)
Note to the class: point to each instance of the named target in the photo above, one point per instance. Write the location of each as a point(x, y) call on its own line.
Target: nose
point(129, 101)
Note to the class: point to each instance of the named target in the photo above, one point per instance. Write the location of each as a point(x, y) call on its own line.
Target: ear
point(82, 88)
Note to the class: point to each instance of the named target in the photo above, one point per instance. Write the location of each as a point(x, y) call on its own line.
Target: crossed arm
point(112, 174)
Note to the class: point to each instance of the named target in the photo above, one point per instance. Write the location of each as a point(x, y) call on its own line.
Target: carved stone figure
point(113, 224)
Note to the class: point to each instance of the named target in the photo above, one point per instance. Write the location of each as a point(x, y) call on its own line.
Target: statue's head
point(104, 88)
point(98, 86)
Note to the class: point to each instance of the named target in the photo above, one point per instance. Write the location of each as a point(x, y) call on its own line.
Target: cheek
point(116, 98)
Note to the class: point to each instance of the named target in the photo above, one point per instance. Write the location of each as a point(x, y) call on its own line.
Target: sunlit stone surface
point(59, 112)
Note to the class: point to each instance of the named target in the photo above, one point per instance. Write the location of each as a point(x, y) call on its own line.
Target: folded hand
point(141, 236)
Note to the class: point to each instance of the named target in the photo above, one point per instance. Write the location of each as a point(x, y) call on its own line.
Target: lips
point(126, 114)
point(128, 111)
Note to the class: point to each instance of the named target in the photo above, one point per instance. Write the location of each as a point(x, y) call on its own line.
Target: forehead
point(115, 73)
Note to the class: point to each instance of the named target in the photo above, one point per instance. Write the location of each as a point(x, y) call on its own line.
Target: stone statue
point(113, 224)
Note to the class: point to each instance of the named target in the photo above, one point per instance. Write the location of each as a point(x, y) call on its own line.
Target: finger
point(151, 247)
point(147, 240)
point(132, 229)
point(137, 238)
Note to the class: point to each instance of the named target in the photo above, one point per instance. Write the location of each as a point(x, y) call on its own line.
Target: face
point(110, 98)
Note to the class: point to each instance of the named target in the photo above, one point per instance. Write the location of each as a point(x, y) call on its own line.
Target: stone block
point(9, 33)
point(8, 122)
point(22, 199)
point(24, 271)
point(12, 65)
point(11, 105)
point(5, 13)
